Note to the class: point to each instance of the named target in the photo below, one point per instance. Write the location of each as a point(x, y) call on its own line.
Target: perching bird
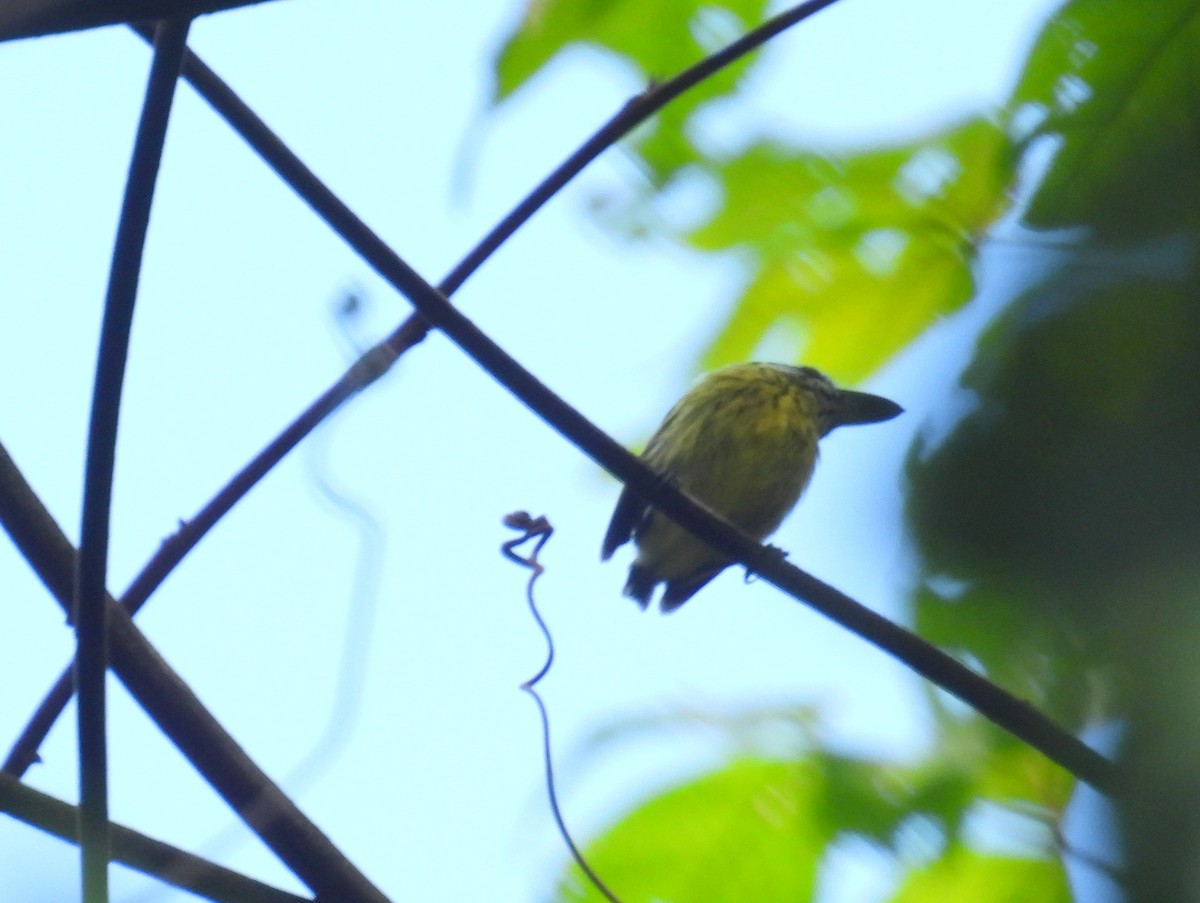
point(743, 442)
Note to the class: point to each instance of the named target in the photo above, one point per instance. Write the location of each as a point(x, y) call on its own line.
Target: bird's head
point(844, 407)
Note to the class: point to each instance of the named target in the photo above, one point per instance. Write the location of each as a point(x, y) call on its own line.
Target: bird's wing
point(628, 514)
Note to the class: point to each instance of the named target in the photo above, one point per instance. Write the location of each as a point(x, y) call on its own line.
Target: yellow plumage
point(744, 442)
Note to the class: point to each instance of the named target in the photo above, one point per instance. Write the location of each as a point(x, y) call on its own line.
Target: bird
point(743, 441)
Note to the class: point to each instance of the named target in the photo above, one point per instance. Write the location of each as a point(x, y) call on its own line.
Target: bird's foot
point(775, 552)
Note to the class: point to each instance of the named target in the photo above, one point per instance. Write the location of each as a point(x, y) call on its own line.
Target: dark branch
point(145, 854)
point(31, 18)
point(179, 714)
point(91, 655)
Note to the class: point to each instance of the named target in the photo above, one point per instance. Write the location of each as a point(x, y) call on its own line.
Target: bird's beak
point(862, 407)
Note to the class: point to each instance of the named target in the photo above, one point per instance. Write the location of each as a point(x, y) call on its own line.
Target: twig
point(531, 528)
point(539, 528)
point(91, 655)
point(1094, 861)
point(173, 706)
point(134, 849)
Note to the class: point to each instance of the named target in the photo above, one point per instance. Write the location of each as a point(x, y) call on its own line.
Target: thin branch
point(177, 712)
point(1096, 862)
point(91, 655)
point(633, 114)
point(145, 854)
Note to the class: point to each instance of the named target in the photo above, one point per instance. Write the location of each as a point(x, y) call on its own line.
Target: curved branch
point(149, 856)
point(91, 655)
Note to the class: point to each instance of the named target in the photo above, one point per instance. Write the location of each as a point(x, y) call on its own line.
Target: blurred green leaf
point(746, 832)
point(1015, 774)
point(965, 874)
point(862, 797)
point(658, 39)
point(1080, 457)
point(1020, 646)
point(1061, 515)
point(1114, 83)
point(862, 251)
point(875, 798)
point(759, 829)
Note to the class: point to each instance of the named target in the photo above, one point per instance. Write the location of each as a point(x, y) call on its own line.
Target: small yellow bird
point(743, 442)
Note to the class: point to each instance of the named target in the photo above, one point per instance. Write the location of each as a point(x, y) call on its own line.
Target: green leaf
point(1078, 461)
point(1016, 773)
point(1116, 84)
point(965, 874)
point(1021, 646)
point(747, 832)
point(873, 798)
point(660, 38)
point(657, 39)
point(758, 829)
point(860, 252)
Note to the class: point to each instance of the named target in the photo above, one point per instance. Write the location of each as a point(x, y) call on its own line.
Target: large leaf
point(1061, 514)
point(658, 39)
point(759, 829)
point(1115, 83)
point(861, 252)
point(747, 832)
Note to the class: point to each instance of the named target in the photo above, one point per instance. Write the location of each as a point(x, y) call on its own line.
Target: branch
point(136, 850)
point(91, 655)
point(31, 18)
point(173, 706)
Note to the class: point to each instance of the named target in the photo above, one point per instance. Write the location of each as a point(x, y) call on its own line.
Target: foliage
point(761, 828)
point(873, 245)
point(1069, 495)
point(1057, 522)
point(870, 247)
point(656, 40)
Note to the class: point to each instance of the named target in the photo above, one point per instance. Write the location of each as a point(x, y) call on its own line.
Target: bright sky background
point(437, 790)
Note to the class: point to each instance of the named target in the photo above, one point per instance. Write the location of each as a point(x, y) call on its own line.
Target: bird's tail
point(640, 585)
